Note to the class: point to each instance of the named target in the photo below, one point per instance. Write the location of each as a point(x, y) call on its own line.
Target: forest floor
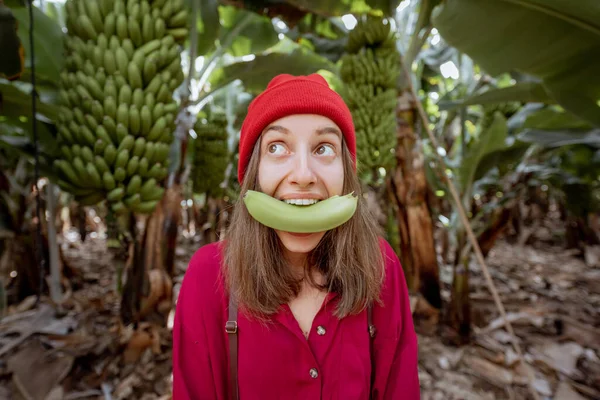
point(551, 297)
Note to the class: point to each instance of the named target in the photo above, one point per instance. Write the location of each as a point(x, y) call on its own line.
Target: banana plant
point(556, 41)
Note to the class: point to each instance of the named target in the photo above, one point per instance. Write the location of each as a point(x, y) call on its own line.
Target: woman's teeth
point(301, 202)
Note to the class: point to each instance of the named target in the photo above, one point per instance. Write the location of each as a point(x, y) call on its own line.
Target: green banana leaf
point(256, 37)
point(48, 42)
point(15, 100)
point(561, 138)
point(522, 92)
point(208, 25)
point(557, 41)
point(490, 140)
point(11, 64)
point(504, 159)
point(257, 73)
point(553, 119)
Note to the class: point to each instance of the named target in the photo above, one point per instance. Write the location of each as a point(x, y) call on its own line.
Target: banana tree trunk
point(458, 324)
point(417, 247)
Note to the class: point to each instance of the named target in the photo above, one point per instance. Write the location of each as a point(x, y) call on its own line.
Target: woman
point(271, 314)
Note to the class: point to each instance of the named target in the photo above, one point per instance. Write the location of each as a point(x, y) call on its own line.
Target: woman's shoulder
point(390, 257)
point(204, 271)
point(394, 274)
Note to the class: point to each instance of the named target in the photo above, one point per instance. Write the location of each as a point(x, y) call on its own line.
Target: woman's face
point(301, 158)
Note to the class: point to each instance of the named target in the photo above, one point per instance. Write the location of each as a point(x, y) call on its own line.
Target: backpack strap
point(231, 327)
point(372, 331)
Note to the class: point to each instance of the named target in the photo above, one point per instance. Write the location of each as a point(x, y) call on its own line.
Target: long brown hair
point(349, 256)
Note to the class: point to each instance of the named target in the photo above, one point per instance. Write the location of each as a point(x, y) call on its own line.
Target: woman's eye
point(276, 148)
point(325, 150)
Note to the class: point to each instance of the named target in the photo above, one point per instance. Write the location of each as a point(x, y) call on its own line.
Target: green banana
point(139, 147)
point(110, 107)
point(126, 144)
point(94, 175)
point(146, 120)
point(87, 154)
point(149, 47)
point(145, 207)
point(66, 152)
point(157, 129)
point(86, 28)
point(120, 174)
point(122, 61)
point(134, 30)
point(116, 194)
point(121, 26)
point(95, 14)
point(90, 199)
point(147, 28)
point(97, 111)
point(155, 194)
point(134, 75)
point(101, 165)
point(67, 171)
point(143, 167)
point(322, 216)
point(123, 114)
point(125, 95)
point(150, 101)
point(128, 47)
point(109, 181)
point(132, 165)
point(110, 24)
point(110, 89)
point(122, 158)
point(110, 154)
point(133, 187)
point(148, 188)
point(121, 132)
point(134, 120)
point(133, 200)
point(179, 20)
point(110, 65)
point(160, 28)
point(118, 207)
point(137, 98)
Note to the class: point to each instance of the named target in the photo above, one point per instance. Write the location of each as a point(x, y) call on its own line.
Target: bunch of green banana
point(373, 32)
point(370, 70)
point(211, 154)
point(117, 108)
point(322, 216)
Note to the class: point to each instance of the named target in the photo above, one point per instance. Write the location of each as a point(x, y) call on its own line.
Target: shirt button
point(320, 330)
point(313, 373)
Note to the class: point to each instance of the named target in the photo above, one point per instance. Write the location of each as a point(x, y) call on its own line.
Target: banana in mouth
point(322, 216)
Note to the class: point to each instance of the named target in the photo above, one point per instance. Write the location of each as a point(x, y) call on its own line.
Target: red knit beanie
point(288, 95)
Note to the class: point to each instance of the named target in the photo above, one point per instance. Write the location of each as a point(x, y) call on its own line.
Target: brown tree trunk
point(409, 181)
point(458, 324)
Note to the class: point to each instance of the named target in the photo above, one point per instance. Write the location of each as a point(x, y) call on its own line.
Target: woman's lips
point(300, 234)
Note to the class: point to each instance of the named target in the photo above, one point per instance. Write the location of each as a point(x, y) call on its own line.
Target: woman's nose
point(302, 171)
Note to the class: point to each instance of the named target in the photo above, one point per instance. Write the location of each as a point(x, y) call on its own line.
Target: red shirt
point(275, 360)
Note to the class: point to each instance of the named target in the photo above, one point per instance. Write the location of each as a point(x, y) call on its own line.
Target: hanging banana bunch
point(370, 69)
point(117, 109)
point(211, 154)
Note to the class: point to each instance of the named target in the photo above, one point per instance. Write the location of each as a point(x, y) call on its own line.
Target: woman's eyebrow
point(277, 128)
point(329, 129)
